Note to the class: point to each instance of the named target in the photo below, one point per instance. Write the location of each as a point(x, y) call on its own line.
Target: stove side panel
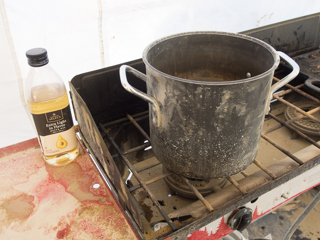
point(89, 131)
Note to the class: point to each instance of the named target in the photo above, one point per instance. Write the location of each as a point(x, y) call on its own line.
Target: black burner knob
point(240, 218)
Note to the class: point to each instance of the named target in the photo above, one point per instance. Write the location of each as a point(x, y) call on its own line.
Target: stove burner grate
point(205, 187)
point(304, 124)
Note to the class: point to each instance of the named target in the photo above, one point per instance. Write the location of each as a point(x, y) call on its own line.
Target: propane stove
point(114, 126)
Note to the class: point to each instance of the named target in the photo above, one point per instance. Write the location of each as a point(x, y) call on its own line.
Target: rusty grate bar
point(298, 109)
point(309, 112)
point(234, 182)
point(290, 121)
point(282, 149)
point(263, 168)
point(133, 149)
point(197, 193)
point(296, 89)
point(288, 90)
point(142, 183)
point(244, 174)
point(148, 167)
point(141, 116)
point(138, 127)
point(299, 91)
point(295, 130)
point(157, 178)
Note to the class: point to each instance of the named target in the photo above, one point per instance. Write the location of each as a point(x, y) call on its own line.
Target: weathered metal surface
point(264, 204)
point(290, 121)
point(214, 225)
point(293, 37)
point(265, 137)
point(131, 150)
point(39, 201)
point(263, 168)
point(298, 109)
point(142, 183)
point(138, 127)
point(296, 131)
point(310, 63)
point(198, 194)
point(91, 134)
point(104, 96)
point(237, 185)
point(312, 86)
point(296, 89)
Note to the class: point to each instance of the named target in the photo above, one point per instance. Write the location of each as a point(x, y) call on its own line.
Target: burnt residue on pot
point(202, 138)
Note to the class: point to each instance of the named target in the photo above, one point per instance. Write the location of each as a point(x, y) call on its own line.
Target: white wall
point(83, 35)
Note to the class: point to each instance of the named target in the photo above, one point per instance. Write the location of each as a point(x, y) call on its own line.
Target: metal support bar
point(133, 149)
point(282, 149)
point(230, 179)
point(138, 127)
point(157, 178)
point(312, 111)
point(197, 193)
point(244, 174)
point(298, 109)
point(296, 131)
point(288, 91)
point(290, 121)
point(122, 120)
point(266, 170)
point(147, 167)
point(299, 91)
point(142, 183)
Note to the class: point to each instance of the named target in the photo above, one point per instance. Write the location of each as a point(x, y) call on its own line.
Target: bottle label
point(54, 125)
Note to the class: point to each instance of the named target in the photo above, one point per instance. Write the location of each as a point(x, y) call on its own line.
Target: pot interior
point(210, 57)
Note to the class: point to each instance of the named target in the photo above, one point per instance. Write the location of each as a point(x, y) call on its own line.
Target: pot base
point(205, 187)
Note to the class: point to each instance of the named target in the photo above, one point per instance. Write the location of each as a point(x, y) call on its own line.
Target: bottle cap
point(37, 57)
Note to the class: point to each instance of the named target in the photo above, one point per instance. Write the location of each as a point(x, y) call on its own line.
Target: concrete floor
point(278, 222)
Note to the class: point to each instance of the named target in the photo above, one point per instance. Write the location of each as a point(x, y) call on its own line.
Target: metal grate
point(144, 184)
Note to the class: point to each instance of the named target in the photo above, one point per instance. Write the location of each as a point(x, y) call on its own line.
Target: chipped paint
point(214, 230)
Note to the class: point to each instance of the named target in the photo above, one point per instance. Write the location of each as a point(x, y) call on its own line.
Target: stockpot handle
point(285, 80)
point(156, 117)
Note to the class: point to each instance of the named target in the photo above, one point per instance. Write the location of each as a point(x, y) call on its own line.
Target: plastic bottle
point(48, 103)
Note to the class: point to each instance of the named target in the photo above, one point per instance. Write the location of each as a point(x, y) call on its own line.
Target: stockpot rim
point(273, 52)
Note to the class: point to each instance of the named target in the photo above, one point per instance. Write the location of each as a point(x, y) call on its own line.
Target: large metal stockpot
point(208, 93)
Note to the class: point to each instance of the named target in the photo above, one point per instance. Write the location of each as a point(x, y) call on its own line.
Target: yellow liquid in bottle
point(62, 159)
point(45, 98)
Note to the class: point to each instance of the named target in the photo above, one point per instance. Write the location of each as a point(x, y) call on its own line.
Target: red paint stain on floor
point(63, 233)
point(78, 181)
point(91, 220)
point(49, 190)
point(38, 188)
point(20, 168)
point(19, 207)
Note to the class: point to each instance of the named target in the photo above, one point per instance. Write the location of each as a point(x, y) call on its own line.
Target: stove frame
point(286, 36)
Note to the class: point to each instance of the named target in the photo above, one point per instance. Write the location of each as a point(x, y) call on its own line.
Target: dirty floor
point(278, 222)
